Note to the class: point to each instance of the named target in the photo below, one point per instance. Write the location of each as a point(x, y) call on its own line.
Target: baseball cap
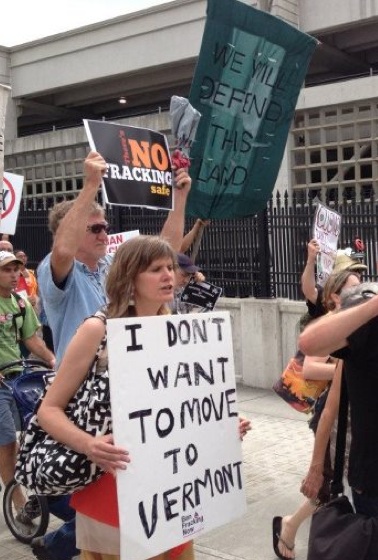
point(6, 258)
point(344, 262)
point(186, 263)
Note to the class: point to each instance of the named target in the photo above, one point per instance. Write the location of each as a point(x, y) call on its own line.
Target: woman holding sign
point(140, 283)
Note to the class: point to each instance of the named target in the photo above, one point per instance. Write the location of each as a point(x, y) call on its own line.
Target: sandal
point(277, 528)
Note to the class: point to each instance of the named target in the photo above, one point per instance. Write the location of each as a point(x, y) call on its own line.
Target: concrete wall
point(264, 337)
point(118, 46)
point(288, 10)
point(5, 79)
point(323, 14)
point(74, 136)
point(347, 91)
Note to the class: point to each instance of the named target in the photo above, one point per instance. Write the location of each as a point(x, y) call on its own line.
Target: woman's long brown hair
point(132, 257)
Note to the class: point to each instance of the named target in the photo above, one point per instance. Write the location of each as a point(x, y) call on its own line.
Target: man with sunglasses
point(71, 278)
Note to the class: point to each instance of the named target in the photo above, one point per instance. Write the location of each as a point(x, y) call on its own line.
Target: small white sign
point(174, 408)
point(12, 194)
point(116, 239)
point(327, 227)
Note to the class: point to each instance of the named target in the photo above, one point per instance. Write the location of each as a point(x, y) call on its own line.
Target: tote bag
point(293, 388)
point(48, 467)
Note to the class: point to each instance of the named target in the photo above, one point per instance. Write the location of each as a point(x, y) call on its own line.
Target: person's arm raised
point(191, 236)
point(173, 228)
point(308, 284)
point(72, 228)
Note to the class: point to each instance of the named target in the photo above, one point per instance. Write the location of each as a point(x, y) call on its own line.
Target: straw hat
point(344, 262)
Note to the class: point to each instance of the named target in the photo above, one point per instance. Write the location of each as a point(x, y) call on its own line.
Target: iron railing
point(260, 256)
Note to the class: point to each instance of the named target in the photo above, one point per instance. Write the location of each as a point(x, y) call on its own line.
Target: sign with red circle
point(12, 194)
point(8, 200)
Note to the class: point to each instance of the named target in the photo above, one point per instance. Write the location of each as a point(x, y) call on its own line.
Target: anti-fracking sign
point(139, 171)
point(12, 194)
point(249, 73)
point(174, 408)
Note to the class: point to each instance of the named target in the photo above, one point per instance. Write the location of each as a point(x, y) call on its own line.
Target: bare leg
point(290, 526)
point(7, 464)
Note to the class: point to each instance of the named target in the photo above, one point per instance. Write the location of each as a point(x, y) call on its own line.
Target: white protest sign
point(12, 194)
point(174, 408)
point(116, 239)
point(327, 226)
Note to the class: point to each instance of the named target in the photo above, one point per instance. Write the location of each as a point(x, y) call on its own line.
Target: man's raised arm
point(72, 227)
point(173, 229)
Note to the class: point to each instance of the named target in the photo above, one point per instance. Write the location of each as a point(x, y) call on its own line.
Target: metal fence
point(260, 256)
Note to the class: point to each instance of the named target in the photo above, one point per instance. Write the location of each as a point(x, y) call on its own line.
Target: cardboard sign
point(246, 84)
point(139, 166)
point(201, 294)
point(327, 227)
point(174, 408)
point(116, 239)
point(12, 194)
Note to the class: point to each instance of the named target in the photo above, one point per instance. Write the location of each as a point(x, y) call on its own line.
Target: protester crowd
point(73, 283)
point(340, 343)
point(77, 286)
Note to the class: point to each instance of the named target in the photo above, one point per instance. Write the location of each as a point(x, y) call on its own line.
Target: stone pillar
point(288, 10)
point(11, 114)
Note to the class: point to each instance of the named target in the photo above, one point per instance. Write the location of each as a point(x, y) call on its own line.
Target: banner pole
point(4, 96)
point(197, 242)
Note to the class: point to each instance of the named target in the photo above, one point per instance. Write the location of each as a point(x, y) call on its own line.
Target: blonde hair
point(58, 211)
point(334, 285)
point(132, 257)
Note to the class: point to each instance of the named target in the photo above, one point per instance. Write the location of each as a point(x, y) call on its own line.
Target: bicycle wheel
point(32, 520)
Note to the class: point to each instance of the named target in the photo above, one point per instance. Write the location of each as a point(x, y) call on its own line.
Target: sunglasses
point(98, 228)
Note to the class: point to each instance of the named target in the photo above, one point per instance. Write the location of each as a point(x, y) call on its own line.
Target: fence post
point(116, 218)
point(264, 254)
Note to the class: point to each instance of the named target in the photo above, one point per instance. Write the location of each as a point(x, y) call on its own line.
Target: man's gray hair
point(358, 294)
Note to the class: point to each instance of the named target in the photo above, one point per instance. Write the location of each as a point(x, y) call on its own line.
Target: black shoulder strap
point(101, 314)
point(22, 307)
point(20, 302)
point(342, 424)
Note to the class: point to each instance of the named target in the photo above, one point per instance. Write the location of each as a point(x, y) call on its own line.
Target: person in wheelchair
point(18, 322)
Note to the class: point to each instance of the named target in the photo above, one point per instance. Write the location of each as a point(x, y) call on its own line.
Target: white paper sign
point(116, 239)
point(12, 194)
point(174, 408)
point(327, 226)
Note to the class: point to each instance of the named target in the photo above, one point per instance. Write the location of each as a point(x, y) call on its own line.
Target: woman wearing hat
point(185, 271)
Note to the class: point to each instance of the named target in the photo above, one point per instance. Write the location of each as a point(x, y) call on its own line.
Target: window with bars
point(334, 150)
point(49, 173)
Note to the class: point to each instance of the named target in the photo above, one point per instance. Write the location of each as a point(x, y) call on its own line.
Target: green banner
point(246, 84)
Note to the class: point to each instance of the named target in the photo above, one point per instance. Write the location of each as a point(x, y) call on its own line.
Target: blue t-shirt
point(66, 307)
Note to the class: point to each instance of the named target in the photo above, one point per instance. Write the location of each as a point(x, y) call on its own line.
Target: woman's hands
point(244, 426)
point(102, 451)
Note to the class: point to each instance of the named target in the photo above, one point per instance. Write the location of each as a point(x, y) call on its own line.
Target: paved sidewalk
point(276, 456)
